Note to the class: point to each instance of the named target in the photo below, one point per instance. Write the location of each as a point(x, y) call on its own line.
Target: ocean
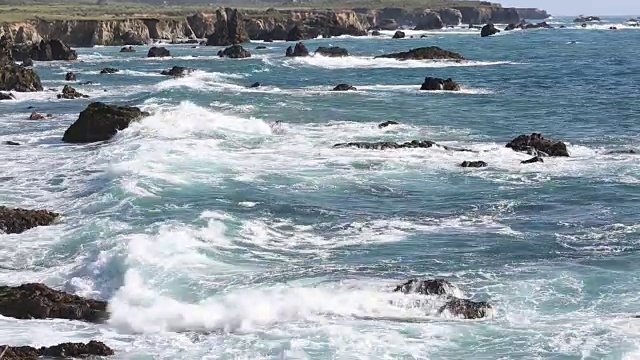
point(215, 235)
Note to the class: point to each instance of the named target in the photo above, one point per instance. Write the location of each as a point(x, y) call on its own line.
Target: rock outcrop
point(100, 122)
point(384, 145)
point(15, 77)
point(344, 87)
point(229, 29)
point(38, 301)
point(534, 159)
point(69, 92)
point(45, 50)
point(425, 287)
point(399, 35)
point(424, 53)
point(109, 70)
point(70, 76)
point(16, 221)
point(536, 144)
point(333, 51)
point(298, 50)
point(234, 52)
point(7, 96)
point(467, 309)
point(128, 49)
point(431, 83)
point(387, 123)
point(429, 20)
point(488, 14)
point(177, 71)
point(158, 52)
point(583, 19)
point(532, 13)
point(474, 164)
point(202, 24)
point(65, 350)
point(488, 30)
point(451, 17)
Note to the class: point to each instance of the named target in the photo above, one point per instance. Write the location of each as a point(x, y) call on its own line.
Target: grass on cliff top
point(88, 10)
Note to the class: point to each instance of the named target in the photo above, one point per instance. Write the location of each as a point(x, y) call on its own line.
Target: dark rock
point(177, 71)
point(333, 51)
point(474, 164)
point(260, 47)
point(16, 221)
point(268, 40)
point(158, 52)
point(45, 50)
point(36, 116)
point(629, 152)
point(540, 25)
point(613, 28)
point(229, 28)
point(12, 143)
point(425, 287)
point(431, 83)
point(399, 35)
point(344, 87)
point(537, 143)
point(86, 83)
point(534, 159)
point(583, 19)
point(70, 77)
point(514, 26)
point(27, 62)
point(127, 49)
point(298, 50)
point(7, 96)
point(100, 122)
point(66, 350)
point(18, 78)
point(488, 30)
point(424, 53)
point(467, 309)
point(295, 34)
point(70, 93)
point(384, 145)
point(375, 33)
point(562, 27)
point(109, 71)
point(429, 20)
point(234, 52)
point(387, 123)
point(584, 25)
point(255, 85)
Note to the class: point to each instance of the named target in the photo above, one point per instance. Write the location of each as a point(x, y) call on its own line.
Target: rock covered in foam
point(467, 309)
point(424, 53)
point(344, 87)
point(65, 350)
point(177, 71)
point(15, 221)
point(109, 70)
point(100, 122)
point(538, 145)
point(474, 164)
point(426, 287)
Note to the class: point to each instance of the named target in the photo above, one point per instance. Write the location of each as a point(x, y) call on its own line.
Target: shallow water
point(214, 237)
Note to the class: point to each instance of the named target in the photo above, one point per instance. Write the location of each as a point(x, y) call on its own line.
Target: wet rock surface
point(66, 350)
point(100, 122)
point(15, 221)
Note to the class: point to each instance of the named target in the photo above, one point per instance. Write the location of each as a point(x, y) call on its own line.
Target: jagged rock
point(298, 50)
point(534, 159)
point(36, 116)
point(158, 52)
point(467, 309)
point(431, 83)
point(177, 71)
point(514, 26)
point(537, 143)
point(70, 76)
point(45, 50)
point(333, 51)
point(16, 221)
point(12, 143)
point(100, 122)
point(295, 34)
point(488, 30)
point(127, 49)
point(540, 25)
point(260, 47)
point(344, 87)
point(15, 77)
point(430, 20)
point(384, 145)
point(450, 16)
point(65, 350)
point(229, 29)
point(6, 96)
point(474, 164)
point(234, 52)
point(70, 93)
point(399, 35)
point(583, 19)
point(424, 53)
point(255, 85)
point(387, 123)
point(109, 71)
point(425, 287)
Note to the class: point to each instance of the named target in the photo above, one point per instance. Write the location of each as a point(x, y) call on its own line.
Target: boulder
point(36, 116)
point(109, 71)
point(538, 145)
point(234, 52)
point(158, 52)
point(70, 93)
point(429, 20)
point(387, 123)
point(177, 71)
point(431, 83)
point(583, 19)
point(255, 85)
point(70, 77)
point(16, 221)
point(534, 159)
point(488, 30)
point(7, 96)
point(100, 122)
point(295, 34)
point(229, 28)
point(333, 51)
point(298, 50)
point(399, 35)
point(424, 53)
point(67, 350)
point(474, 164)
point(344, 87)
point(128, 49)
point(425, 287)
point(467, 309)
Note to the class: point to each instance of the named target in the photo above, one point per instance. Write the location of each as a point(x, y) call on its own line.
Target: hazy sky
point(577, 7)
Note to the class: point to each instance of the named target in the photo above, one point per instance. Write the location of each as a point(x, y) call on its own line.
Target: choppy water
point(215, 238)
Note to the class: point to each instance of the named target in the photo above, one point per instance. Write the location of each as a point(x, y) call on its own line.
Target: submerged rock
point(624, 151)
point(255, 85)
point(399, 35)
point(474, 164)
point(70, 93)
point(387, 123)
point(261, 47)
point(467, 309)
point(65, 350)
point(425, 287)
point(431, 83)
point(128, 49)
point(16, 221)
point(158, 52)
point(583, 19)
point(344, 87)
point(100, 122)
point(534, 159)
point(109, 71)
point(537, 144)
point(70, 76)
point(12, 143)
point(383, 145)
point(424, 53)
point(333, 51)
point(375, 33)
point(234, 52)
point(177, 71)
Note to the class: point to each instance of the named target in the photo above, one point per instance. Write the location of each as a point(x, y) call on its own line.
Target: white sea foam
point(370, 62)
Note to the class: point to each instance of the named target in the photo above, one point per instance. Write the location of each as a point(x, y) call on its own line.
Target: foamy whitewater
point(215, 235)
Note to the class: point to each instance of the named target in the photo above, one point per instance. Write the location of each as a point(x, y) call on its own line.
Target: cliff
point(532, 14)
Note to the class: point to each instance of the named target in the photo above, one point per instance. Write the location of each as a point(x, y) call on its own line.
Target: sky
point(579, 7)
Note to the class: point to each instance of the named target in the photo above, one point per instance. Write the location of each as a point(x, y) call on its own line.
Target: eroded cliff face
point(277, 25)
point(533, 14)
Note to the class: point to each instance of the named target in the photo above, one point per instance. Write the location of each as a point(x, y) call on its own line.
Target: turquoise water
point(215, 236)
